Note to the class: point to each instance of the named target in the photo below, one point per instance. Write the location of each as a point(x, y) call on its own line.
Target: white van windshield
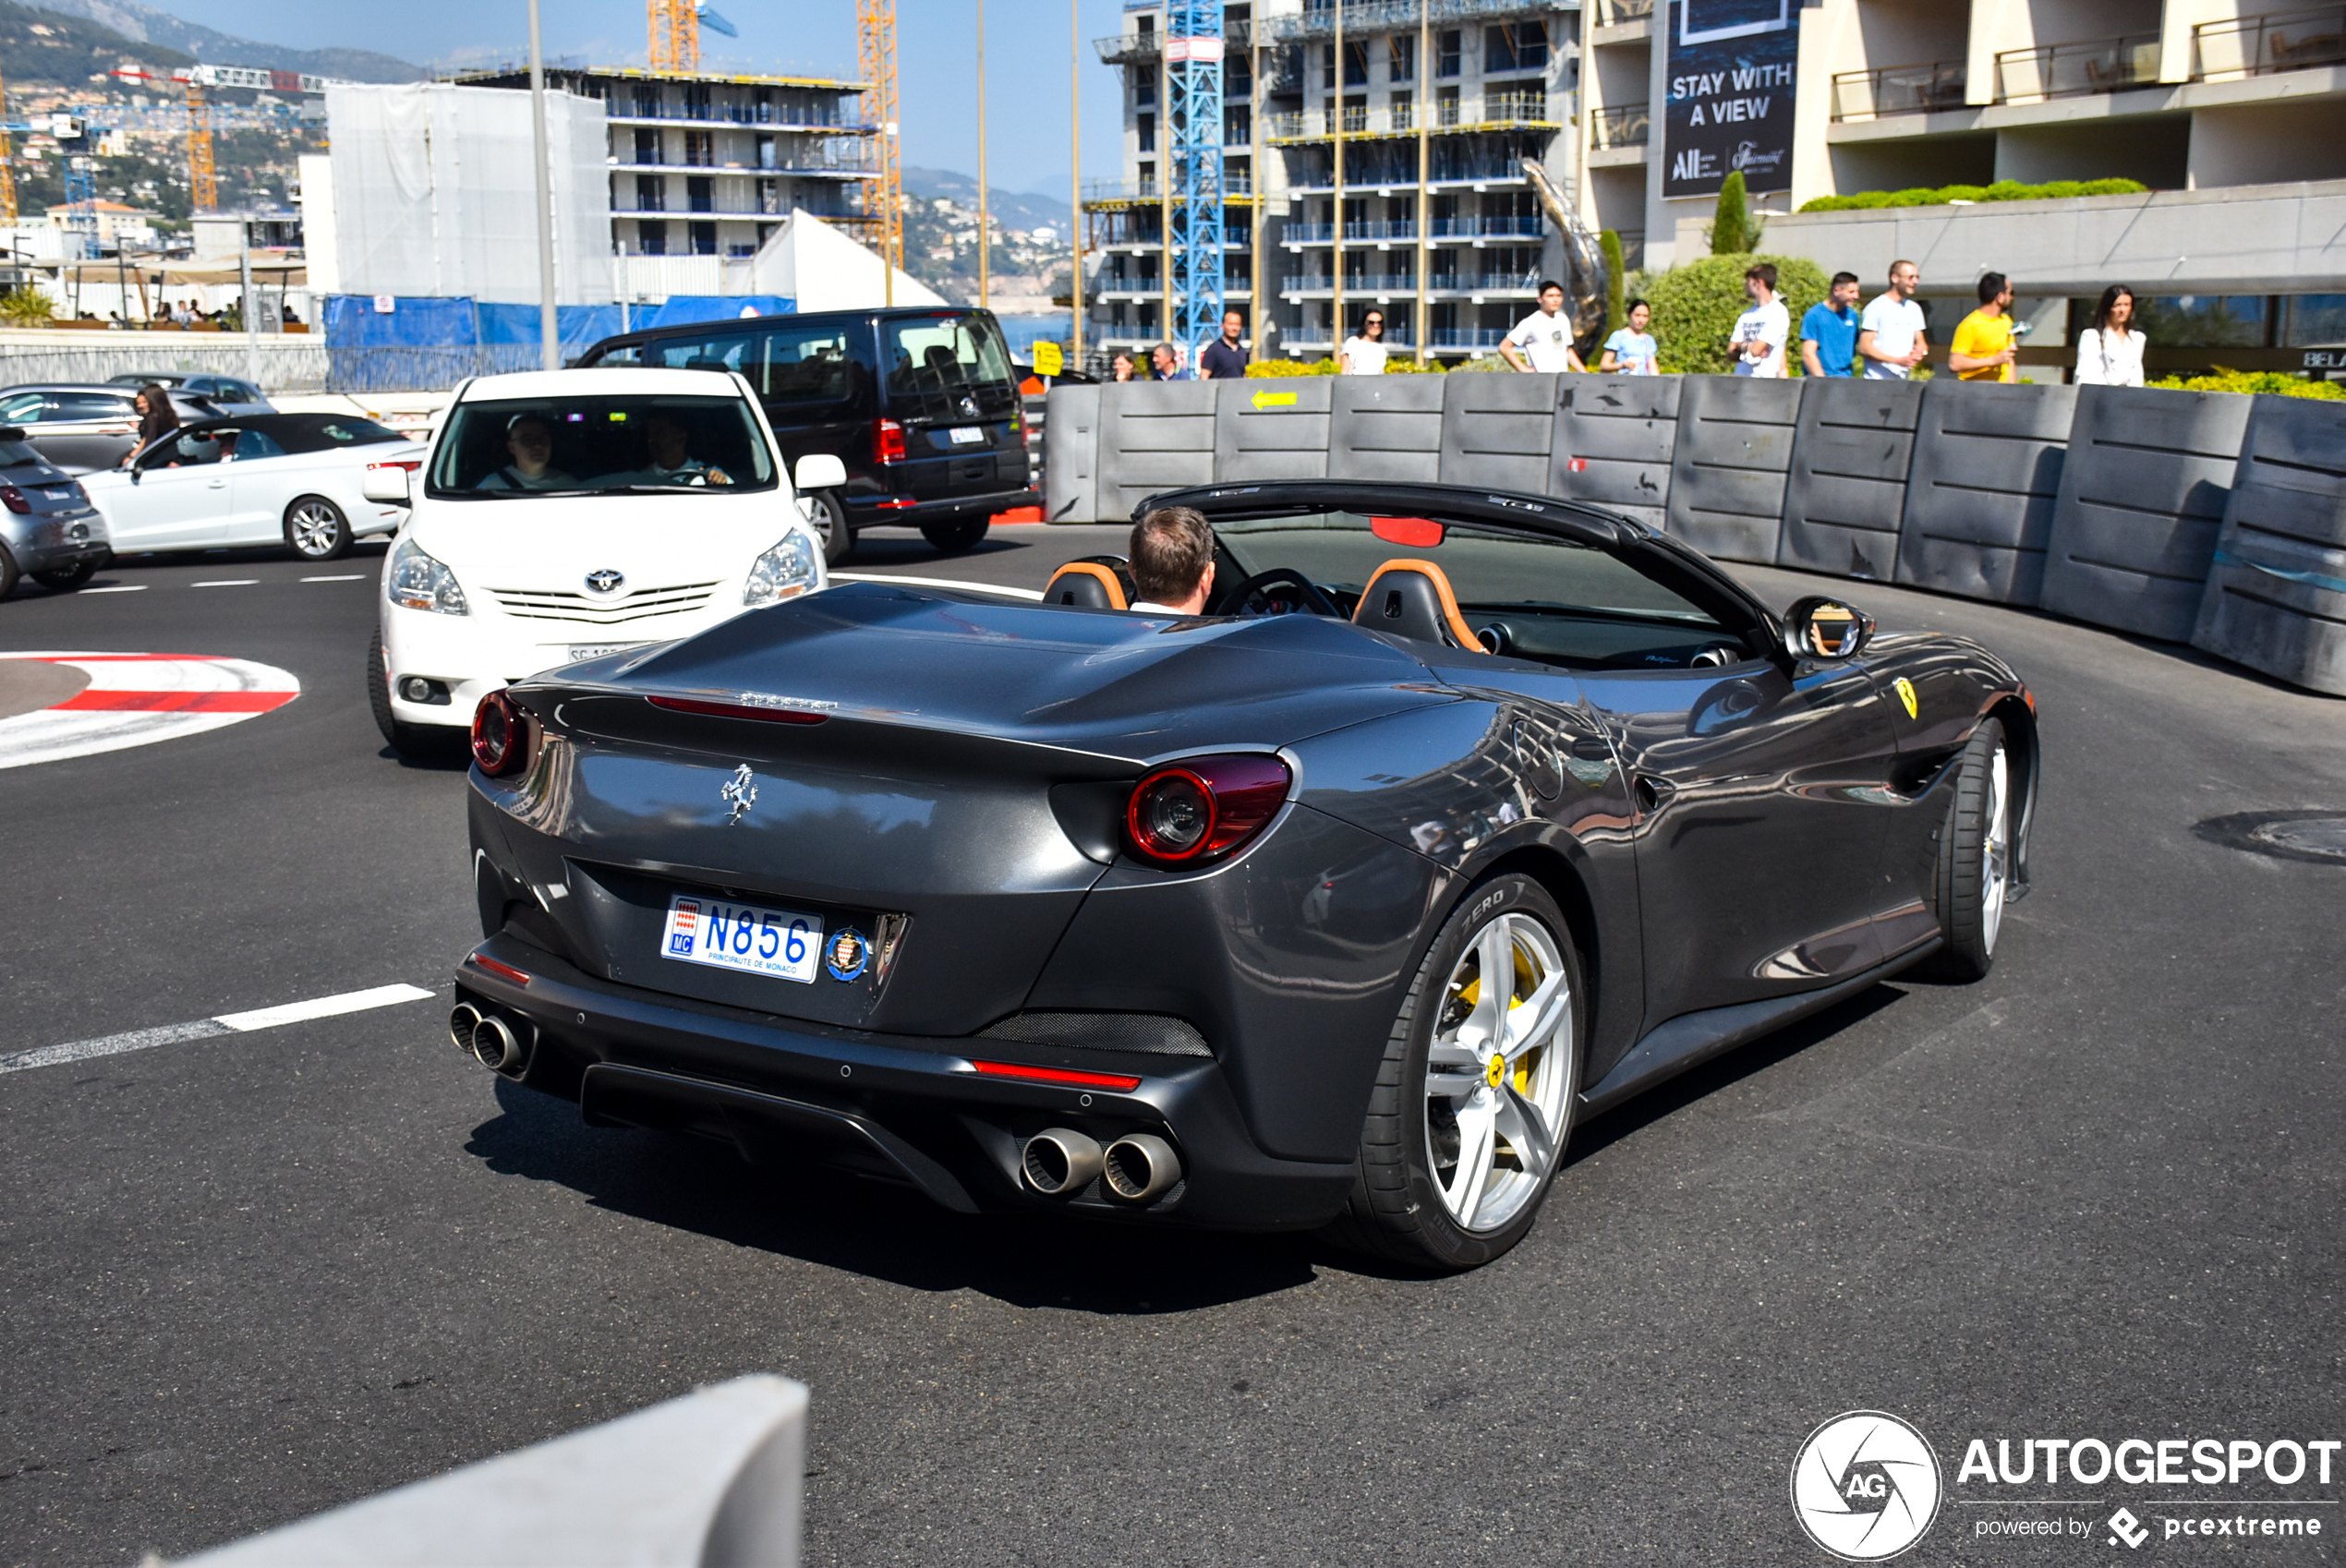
point(511, 449)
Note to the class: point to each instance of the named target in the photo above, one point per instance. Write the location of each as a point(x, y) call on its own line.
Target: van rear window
point(815, 362)
point(938, 367)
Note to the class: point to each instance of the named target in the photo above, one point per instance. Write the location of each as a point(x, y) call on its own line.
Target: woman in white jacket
point(2110, 352)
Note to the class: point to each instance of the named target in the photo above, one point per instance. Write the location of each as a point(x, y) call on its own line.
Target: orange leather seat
point(1096, 582)
point(1413, 599)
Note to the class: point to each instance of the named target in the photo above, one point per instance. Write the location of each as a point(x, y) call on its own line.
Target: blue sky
point(1027, 60)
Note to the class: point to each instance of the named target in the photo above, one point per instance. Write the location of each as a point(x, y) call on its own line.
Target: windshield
point(501, 449)
point(947, 367)
point(808, 361)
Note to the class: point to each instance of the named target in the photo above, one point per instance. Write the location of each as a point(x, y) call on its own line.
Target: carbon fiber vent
point(1148, 1033)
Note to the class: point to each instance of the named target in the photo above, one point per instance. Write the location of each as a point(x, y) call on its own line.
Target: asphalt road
point(249, 1277)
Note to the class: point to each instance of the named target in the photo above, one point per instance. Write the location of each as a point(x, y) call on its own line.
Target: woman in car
point(157, 418)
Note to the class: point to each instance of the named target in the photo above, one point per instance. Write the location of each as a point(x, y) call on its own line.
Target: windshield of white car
point(513, 450)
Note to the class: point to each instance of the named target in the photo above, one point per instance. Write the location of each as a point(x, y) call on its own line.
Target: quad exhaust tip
point(461, 1024)
point(497, 1044)
point(1140, 1166)
point(1059, 1161)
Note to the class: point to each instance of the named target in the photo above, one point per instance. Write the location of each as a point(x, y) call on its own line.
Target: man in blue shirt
point(1829, 332)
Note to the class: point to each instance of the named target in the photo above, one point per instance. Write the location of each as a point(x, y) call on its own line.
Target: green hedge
point(2002, 190)
point(1695, 308)
point(1398, 363)
point(2279, 381)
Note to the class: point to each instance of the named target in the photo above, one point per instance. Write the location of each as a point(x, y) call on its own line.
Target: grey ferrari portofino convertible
point(1461, 816)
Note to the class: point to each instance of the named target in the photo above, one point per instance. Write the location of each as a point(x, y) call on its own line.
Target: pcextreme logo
point(1866, 1486)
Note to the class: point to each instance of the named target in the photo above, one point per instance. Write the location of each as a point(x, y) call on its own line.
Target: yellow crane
point(203, 178)
point(876, 40)
point(8, 164)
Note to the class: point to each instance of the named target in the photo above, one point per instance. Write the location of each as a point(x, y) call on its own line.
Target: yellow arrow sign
point(1273, 400)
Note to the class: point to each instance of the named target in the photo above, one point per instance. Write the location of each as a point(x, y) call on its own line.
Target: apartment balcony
point(1104, 196)
point(1614, 13)
point(2072, 70)
point(1365, 17)
point(2255, 46)
point(1508, 284)
point(842, 170)
point(1630, 124)
point(762, 116)
point(1510, 226)
point(1479, 174)
point(741, 215)
point(1143, 48)
point(1492, 110)
point(1469, 337)
point(1902, 90)
point(1382, 284)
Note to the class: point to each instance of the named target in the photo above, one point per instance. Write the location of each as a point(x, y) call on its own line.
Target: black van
point(920, 404)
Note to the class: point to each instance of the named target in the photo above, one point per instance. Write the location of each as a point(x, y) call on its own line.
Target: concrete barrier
point(1979, 498)
point(1733, 453)
point(1387, 427)
point(712, 1480)
point(1846, 492)
point(2276, 598)
point(1153, 436)
point(2142, 496)
point(1498, 430)
point(1272, 427)
point(1070, 456)
point(1615, 438)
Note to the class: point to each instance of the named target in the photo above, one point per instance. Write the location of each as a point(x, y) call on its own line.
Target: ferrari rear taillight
point(1199, 809)
point(14, 499)
point(887, 442)
point(501, 736)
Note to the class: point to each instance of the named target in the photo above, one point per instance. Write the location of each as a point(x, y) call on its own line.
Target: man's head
point(1165, 359)
point(1760, 281)
point(531, 442)
point(1172, 558)
point(1995, 289)
point(1372, 325)
point(1551, 296)
point(1904, 278)
point(1845, 291)
point(664, 439)
point(1233, 326)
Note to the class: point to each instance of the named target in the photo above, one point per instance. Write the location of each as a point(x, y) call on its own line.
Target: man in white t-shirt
point(1891, 340)
point(1762, 331)
point(1545, 336)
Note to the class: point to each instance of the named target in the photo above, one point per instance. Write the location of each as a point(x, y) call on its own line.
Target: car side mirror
point(819, 471)
point(1822, 628)
point(385, 482)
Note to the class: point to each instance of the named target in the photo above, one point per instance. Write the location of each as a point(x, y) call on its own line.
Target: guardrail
point(1627, 124)
point(2254, 47)
point(1900, 89)
point(2070, 70)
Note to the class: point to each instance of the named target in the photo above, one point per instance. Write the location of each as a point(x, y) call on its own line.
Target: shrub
point(1275, 367)
point(2277, 381)
point(1616, 282)
point(1694, 307)
point(2002, 190)
point(25, 308)
point(1731, 224)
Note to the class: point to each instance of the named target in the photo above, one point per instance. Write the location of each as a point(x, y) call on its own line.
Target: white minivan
point(566, 515)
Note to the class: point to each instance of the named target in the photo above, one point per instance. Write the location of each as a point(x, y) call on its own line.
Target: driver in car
point(530, 440)
point(1172, 562)
point(668, 444)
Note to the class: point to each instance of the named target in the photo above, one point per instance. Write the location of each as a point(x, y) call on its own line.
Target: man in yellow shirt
point(1983, 349)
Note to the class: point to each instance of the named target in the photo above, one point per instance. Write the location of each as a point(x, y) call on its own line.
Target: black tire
point(8, 572)
point(953, 538)
point(829, 514)
point(1970, 859)
point(1396, 1209)
point(316, 529)
point(66, 579)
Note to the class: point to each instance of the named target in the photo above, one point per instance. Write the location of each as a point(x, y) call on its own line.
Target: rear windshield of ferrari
point(1489, 569)
point(511, 450)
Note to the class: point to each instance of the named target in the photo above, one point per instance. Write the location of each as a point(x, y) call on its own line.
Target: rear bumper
point(911, 1109)
point(51, 541)
point(871, 511)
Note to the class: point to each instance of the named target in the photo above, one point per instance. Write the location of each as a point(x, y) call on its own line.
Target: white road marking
point(119, 588)
point(347, 577)
point(937, 583)
point(206, 1029)
point(135, 699)
point(229, 583)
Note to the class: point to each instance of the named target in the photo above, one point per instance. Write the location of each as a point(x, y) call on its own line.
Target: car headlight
point(415, 581)
point(785, 572)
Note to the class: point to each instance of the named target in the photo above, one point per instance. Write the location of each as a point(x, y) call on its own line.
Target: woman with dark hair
point(157, 418)
point(1120, 368)
point(2110, 352)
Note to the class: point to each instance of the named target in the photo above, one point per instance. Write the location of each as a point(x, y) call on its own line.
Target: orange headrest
point(1412, 598)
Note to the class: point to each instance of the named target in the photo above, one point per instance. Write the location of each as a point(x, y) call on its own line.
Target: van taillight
point(887, 442)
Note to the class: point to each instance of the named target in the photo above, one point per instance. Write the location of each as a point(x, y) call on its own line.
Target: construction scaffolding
point(884, 197)
point(1194, 196)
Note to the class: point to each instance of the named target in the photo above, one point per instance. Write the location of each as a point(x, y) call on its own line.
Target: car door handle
point(215, 484)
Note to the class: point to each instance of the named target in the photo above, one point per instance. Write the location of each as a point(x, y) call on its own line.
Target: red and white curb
point(136, 699)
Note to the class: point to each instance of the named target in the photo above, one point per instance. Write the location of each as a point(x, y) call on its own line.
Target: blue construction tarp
point(681, 309)
point(428, 345)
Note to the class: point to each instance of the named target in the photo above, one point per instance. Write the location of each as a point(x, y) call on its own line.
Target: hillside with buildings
point(1028, 255)
point(150, 25)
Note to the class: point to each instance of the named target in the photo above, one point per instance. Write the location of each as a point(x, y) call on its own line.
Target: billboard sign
point(1731, 66)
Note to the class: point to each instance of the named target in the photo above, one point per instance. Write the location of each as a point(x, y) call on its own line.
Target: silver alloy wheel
point(1995, 848)
point(315, 528)
point(1499, 1071)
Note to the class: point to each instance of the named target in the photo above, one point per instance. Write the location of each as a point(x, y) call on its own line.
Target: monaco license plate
point(782, 943)
point(967, 435)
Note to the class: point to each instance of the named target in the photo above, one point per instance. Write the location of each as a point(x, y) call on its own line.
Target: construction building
point(1439, 104)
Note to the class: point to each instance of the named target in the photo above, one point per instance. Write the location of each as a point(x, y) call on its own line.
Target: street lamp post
point(550, 353)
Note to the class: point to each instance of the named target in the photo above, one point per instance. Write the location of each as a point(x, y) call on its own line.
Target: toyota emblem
point(606, 580)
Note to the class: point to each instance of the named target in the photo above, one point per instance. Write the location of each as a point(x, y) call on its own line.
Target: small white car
point(292, 480)
point(567, 515)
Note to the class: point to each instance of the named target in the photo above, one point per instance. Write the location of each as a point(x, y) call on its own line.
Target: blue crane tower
point(1193, 124)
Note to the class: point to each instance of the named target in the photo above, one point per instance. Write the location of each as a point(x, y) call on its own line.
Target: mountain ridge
point(159, 28)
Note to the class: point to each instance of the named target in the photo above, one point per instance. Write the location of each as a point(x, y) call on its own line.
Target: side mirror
point(1823, 628)
point(819, 471)
point(386, 482)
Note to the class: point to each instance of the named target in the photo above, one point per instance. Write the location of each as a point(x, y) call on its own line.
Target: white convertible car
point(295, 480)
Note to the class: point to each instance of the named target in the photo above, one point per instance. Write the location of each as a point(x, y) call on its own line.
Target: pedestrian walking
point(1224, 359)
point(1891, 335)
point(1829, 331)
point(1631, 351)
point(1545, 336)
point(1165, 360)
point(1983, 348)
point(1761, 333)
point(2110, 352)
point(1364, 354)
